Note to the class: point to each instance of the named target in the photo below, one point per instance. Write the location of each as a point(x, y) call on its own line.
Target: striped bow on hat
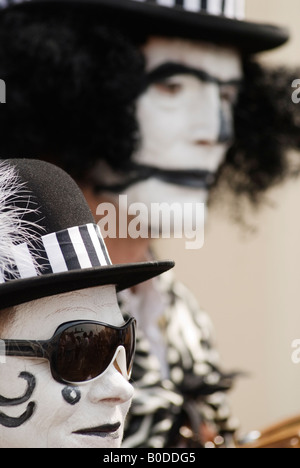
point(219, 21)
point(49, 242)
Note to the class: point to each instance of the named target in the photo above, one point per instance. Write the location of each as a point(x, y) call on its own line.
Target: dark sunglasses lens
point(86, 350)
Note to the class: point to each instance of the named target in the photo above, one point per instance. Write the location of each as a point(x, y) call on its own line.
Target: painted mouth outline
point(100, 431)
point(136, 173)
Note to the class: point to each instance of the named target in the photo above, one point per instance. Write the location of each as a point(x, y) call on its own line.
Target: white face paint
point(185, 116)
point(104, 401)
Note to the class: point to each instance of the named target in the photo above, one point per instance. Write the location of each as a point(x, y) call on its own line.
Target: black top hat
point(49, 242)
point(220, 21)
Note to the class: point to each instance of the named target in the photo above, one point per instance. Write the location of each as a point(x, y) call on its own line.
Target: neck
point(121, 250)
point(128, 250)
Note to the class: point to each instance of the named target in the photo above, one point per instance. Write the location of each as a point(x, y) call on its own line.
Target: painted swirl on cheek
point(71, 395)
point(7, 421)
point(10, 422)
point(31, 384)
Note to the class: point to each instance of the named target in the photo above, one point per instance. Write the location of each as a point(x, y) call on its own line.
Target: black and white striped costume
point(194, 384)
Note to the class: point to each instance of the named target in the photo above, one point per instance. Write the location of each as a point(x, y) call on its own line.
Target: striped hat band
point(234, 9)
point(76, 248)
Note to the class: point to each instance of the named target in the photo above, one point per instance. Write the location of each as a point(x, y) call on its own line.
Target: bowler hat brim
point(122, 276)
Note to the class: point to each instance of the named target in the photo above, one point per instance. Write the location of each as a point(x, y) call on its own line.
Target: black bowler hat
point(220, 21)
point(49, 242)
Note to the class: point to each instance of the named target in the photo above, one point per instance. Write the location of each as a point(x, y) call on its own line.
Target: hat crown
point(62, 235)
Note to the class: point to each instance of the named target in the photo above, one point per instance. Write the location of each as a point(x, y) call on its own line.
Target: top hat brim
point(154, 19)
point(122, 276)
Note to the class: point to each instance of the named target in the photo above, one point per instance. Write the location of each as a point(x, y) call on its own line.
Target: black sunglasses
point(79, 351)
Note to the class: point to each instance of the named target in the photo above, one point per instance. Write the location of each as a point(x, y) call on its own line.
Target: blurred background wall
point(250, 283)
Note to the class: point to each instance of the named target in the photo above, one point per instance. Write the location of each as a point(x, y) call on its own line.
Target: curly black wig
point(71, 87)
point(267, 126)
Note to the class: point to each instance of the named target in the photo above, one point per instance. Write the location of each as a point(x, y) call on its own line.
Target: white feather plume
point(13, 228)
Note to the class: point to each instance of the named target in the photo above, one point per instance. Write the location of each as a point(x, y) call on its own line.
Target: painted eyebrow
point(170, 69)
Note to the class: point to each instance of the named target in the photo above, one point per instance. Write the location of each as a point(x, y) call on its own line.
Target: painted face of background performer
point(185, 117)
point(50, 413)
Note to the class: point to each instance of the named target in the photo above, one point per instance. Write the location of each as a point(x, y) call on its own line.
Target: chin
point(81, 442)
point(156, 191)
point(95, 442)
point(169, 210)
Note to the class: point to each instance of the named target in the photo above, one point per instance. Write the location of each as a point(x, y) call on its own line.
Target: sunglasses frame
point(46, 349)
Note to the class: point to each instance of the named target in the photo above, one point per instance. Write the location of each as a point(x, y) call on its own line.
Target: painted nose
point(204, 116)
point(113, 387)
point(226, 121)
